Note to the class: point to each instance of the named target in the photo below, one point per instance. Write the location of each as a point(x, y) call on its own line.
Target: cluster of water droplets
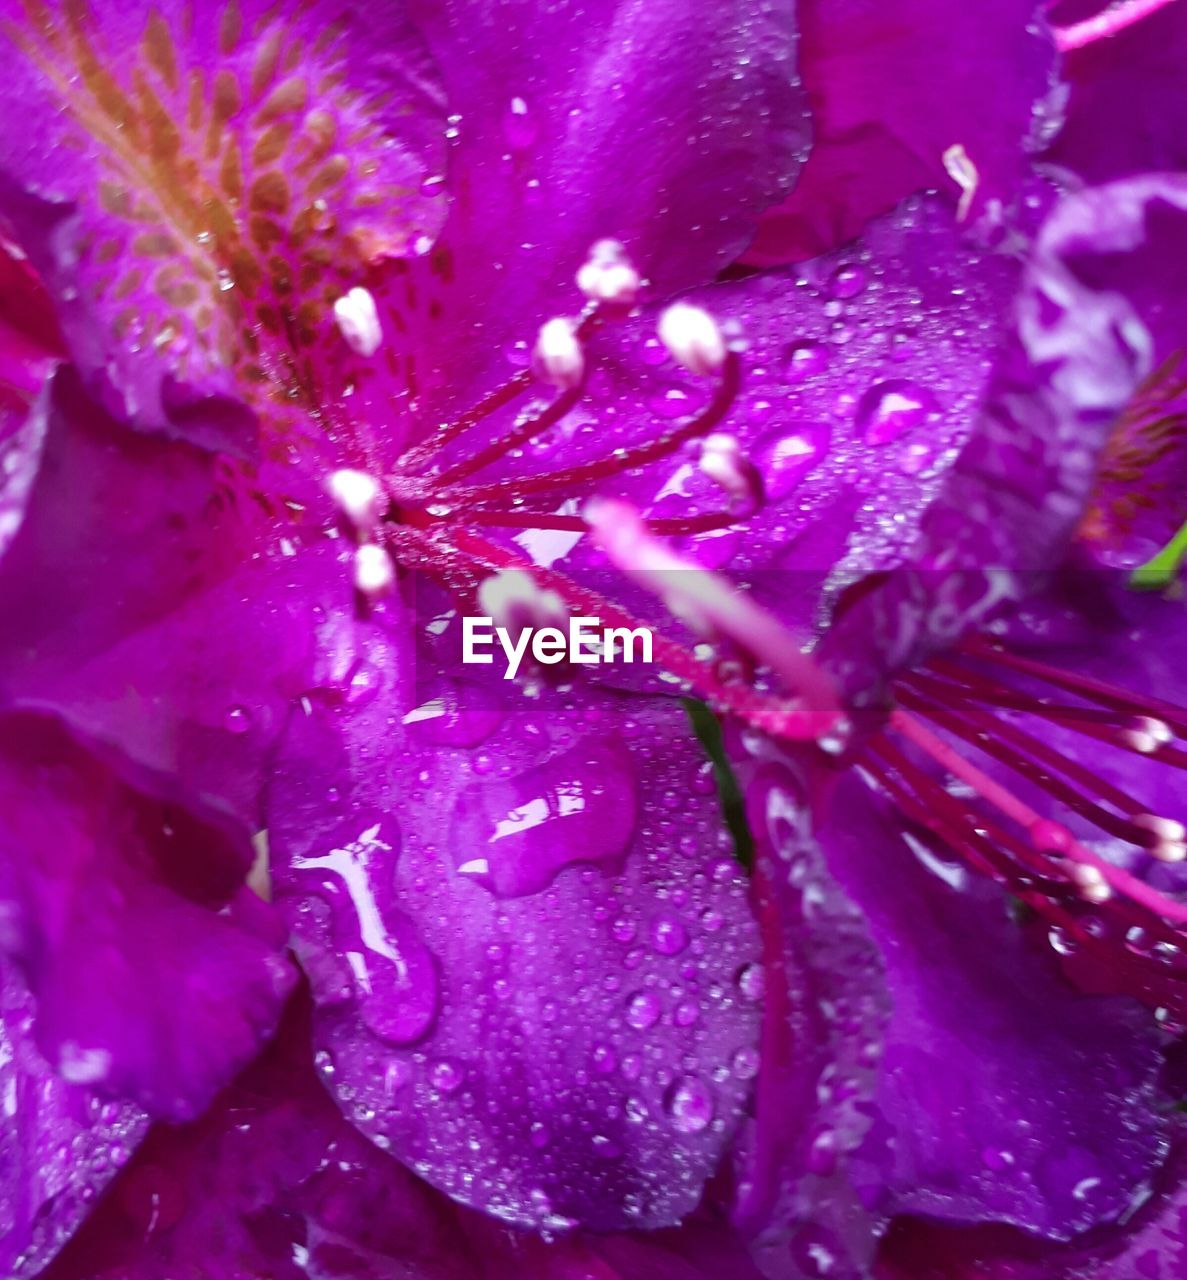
point(577, 946)
point(59, 1143)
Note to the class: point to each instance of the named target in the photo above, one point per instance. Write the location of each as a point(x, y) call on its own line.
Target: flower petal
point(712, 129)
point(197, 188)
point(549, 1042)
point(1126, 93)
point(58, 1143)
point(894, 89)
point(1093, 296)
point(149, 602)
point(1004, 1095)
point(301, 1193)
point(112, 906)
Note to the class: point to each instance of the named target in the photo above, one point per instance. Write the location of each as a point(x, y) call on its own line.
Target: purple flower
point(363, 331)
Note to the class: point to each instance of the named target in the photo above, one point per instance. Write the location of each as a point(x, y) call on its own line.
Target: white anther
point(693, 338)
point(374, 574)
point(359, 497)
point(1171, 845)
point(513, 599)
point(358, 321)
point(1090, 883)
point(723, 461)
point(1147, 735)
point(608, 276)
point(964, 173)
point(558, 354)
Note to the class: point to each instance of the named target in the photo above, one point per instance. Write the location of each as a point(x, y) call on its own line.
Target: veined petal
point(196, 185)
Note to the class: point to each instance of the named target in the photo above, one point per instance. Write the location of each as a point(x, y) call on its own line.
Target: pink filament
point(1109, 22)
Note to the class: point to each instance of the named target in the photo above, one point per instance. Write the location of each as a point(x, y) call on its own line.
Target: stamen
point(558, 355)
point(708, 604)
point(1046, 835)
point(359, 496)
point(723, 461)
point(693, 338)
point(964, 173)
point(620, 460)
point(374, 573)
point(358, 321)
point(513, 599)
point(1112, 20)
point(608, 276)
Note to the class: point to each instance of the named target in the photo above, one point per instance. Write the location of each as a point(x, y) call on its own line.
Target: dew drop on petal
point(803, 360)
point(891, 407)
point(668, 936)
point(688, 1103)
point(752, 982)
point(237, 720)
point(785, 457)
point(643, 1010)
point(520, 126)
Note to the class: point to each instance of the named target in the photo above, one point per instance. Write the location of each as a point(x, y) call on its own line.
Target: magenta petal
point(144, 988)
point(148, 605)
point(1152, 1245)
point(554, 105)
point(178, 177)
point(1100, 290)
point(58, 1143)
point(1126, 98)
point(893, 87)
point(532, 954)
point(301, 1193)
point(1003, 1095)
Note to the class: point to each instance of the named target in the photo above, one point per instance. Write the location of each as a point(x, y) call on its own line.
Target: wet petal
point(149, 601)
point(545, 127)
point(1089, 309)
point(303, 1193)
point(824, 1025)
point(59, 1144)
point(1151, 1246)
point(112, 907)
point(1126, 93)
point(529, 964)
point(895, 90)
point(197, 189)
point(1003, 1094)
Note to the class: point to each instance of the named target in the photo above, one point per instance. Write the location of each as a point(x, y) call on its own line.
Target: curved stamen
point(627, 459)
point(1088, 870)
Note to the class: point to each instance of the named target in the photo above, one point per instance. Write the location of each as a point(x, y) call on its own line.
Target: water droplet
point(513, 835)
point(891, 407)
point(643, 1010)
point(520, 126)
point(847, 281)
point(447, 1075)
point(689, 1104)
point(803, 360)
point(786, 457)
point(237, 720)
point(392, 971)
point(604, 1059)
point(745, 1063)
point(668, 936)
point(752, 982)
